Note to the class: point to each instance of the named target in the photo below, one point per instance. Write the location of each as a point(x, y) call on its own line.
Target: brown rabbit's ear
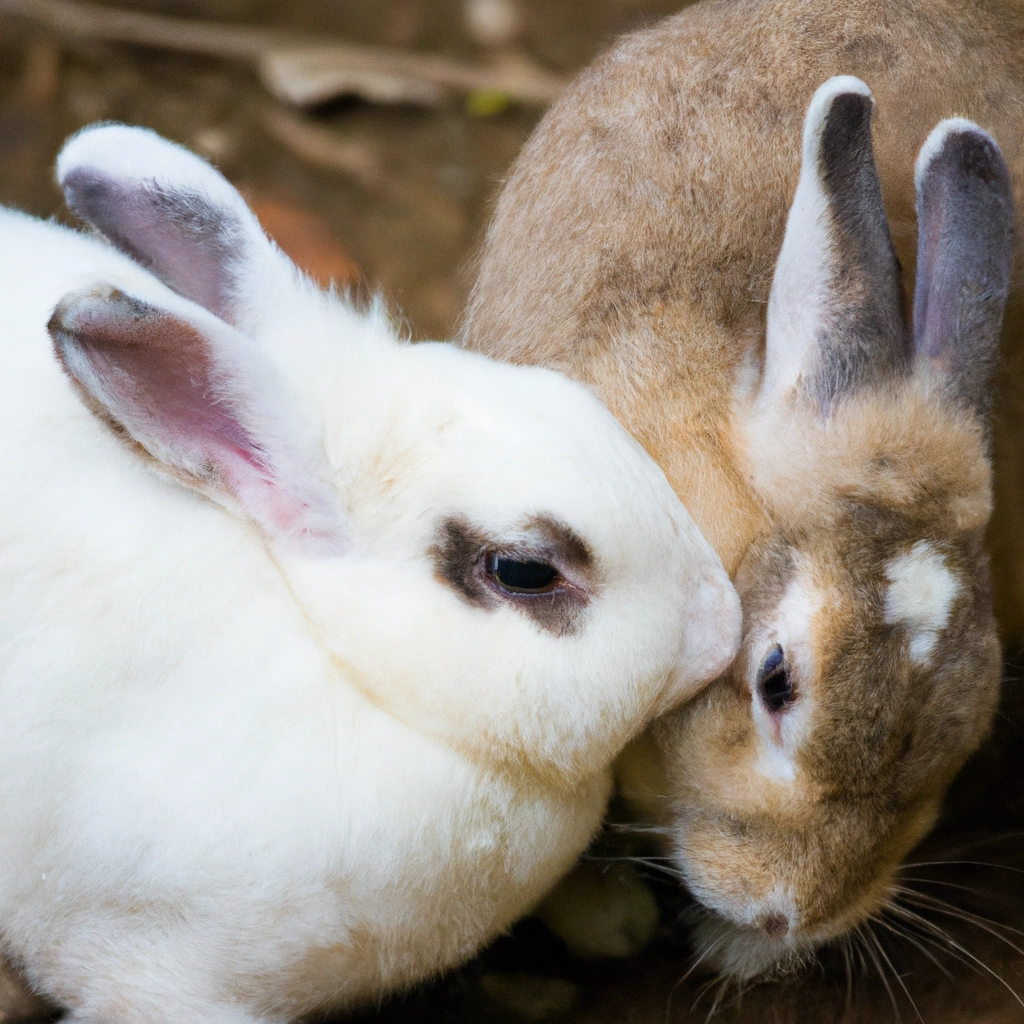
point(965, 229)
point(836, 316)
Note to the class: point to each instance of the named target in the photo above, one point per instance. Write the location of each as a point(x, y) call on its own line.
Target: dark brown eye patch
point(545, 575)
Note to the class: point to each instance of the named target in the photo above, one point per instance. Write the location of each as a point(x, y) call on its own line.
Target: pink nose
point(775, 926)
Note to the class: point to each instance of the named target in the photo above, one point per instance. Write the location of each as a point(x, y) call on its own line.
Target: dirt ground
point(404, 189)
point(397, 198)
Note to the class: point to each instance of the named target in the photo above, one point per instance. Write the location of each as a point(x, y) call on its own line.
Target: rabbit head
point(481, 548)
point(869, 666)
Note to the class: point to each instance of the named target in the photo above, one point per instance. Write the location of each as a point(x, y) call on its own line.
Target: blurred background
point(372, 138)
point(402, 187)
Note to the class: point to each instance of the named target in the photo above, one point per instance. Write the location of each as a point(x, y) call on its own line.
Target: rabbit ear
point(965, 229)
point(192, 391)
point(173, 213)
point(835, 313)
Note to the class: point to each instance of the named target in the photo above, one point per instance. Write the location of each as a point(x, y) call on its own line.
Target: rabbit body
point(252, 769)
point(737, 301)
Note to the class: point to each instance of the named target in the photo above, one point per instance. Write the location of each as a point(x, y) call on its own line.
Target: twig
point(298, 69)
point(320, 148)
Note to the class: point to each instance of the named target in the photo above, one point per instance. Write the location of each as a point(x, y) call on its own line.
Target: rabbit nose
point(718, 610)
point(709, 635)
point(775, 926)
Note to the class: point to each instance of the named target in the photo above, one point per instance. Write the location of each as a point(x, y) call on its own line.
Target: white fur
point(803, 274)
point(744, 949)
point(921, 595)
point(240, 782)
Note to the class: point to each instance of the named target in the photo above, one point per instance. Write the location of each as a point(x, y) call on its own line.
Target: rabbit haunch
point(271, 741)
point(837, 458)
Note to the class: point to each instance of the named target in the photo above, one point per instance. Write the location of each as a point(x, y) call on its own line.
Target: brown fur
point(649, 207)
point(633, 248)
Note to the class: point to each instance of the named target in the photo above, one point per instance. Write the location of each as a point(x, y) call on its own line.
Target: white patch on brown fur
point(773, 760)
point(921, 594)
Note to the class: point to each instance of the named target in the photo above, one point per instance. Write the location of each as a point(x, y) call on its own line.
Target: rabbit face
point(532, 595)
point(868, 672)
point(471, 543)
point(869, 667)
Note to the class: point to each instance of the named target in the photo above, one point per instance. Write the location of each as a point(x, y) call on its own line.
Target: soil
point(414, 202)
point(399, 208)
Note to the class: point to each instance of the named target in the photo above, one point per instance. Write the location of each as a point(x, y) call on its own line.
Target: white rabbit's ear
point(195, 394)
point(964, 243)
point(836, 315)
point(173, 213)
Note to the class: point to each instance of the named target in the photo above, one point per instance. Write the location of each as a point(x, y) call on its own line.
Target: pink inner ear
point(159, 376)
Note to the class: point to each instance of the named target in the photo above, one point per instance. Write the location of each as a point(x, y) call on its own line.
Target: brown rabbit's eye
point(774, 685)
point(517, 577)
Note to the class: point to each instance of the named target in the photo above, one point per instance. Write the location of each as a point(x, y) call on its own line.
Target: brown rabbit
point(838, 460)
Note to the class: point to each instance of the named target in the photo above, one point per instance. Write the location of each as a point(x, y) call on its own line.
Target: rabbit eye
point(774, 685)
point(518, 577)
point(524, 578)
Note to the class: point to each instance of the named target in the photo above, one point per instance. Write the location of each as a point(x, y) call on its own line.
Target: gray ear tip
point(960, 149)
point(836, 99)
point(82, 186)
point(849, 113)
point(838, 126)
point(76, 308)
point(850, 106)
point(838, 86)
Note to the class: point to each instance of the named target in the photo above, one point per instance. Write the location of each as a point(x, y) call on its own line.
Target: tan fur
point(650, 203)
point(633, 248)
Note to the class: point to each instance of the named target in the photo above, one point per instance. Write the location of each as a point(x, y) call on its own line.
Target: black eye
point(774, 685)
point(522, 577)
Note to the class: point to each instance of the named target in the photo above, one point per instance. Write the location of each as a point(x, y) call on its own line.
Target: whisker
point(654, 863)
point(696, 963)
point(929, 902)
point(847, 961)
point(881, 973)
point(860, 953)
point(948, 885)
point(953, 944)
point(964, 863)
point(940, 939)
point(929, 899)
point(896, 974)
point(702, 991)
point(722, 989)
point(637, 829)
point(636, 858)
point(903, 933)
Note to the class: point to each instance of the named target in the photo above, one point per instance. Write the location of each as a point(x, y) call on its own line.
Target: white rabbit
point(316, 646)
point(837, 456)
